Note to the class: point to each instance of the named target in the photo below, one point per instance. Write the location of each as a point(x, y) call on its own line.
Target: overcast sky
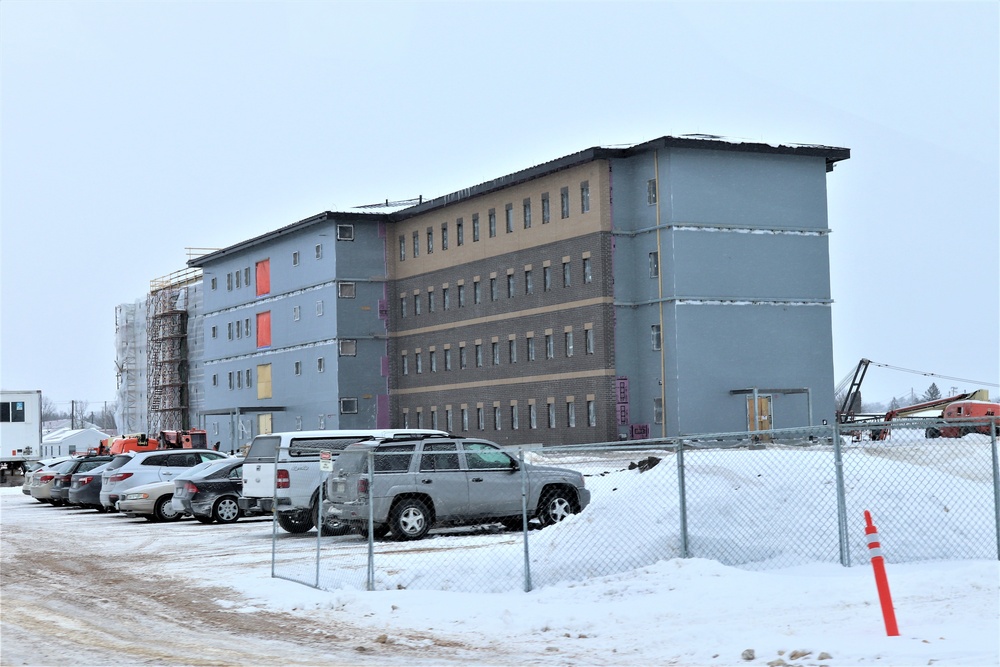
point(131, 131)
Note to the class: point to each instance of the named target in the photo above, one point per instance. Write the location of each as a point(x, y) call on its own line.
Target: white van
point(282, 472)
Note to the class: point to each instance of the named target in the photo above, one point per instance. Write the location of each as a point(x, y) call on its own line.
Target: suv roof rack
point(416, 436)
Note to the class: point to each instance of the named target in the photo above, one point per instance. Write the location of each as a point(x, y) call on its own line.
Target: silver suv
point(131, 469)
point(445, 481)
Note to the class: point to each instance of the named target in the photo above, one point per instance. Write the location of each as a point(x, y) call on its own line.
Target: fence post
point(370, 584)
point(838, 467)
point(994, 425)
point(524, 519)
point(683, 499)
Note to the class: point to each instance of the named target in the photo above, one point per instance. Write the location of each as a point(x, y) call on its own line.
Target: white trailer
point(20, 426)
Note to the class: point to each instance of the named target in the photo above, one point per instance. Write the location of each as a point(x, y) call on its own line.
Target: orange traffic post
point(881, 581)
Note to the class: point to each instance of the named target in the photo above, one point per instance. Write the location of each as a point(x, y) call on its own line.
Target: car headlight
point(136, 496)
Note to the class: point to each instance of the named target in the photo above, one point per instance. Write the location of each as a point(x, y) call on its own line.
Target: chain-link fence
point(754, 500)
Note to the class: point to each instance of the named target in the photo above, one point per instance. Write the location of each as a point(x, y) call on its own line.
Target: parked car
point(59, 492)
point(211, 492)
point(149, 501)
point(131, 469)
point(437, 481)
point(32, 467)
point(283, 469)
point(44, 478)
point(85, 488)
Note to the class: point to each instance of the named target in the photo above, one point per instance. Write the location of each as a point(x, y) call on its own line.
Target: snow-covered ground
point(598, 606)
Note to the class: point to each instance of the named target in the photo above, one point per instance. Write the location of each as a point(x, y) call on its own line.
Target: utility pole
point(72, 414)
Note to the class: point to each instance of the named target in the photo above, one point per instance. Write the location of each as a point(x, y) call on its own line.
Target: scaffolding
point(130, 367)
point(167, 351)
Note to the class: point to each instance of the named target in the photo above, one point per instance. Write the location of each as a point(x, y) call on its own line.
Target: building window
point(296, 313)
point(526, 207)
point(657, 410)
point(249, 376)
point(246, 327)
point(564, 202)
point(432, 355)
point(513, 417)
point(348, 406)
point(295, 258)
point(444, 236)
point(447, 358)
point(588, 339)
point(230, 377)
point(532, 416)
point(264, 329)
point(461, 295)
point(319, 251)
point(655, 337)
point(584, 197)
point(465, 418)
point(588, 272)
point(493, 288)
point(509, 217)
point(420, 362)
point(550, 346)
point(346, 290)
point(552, 415)
point(239, 380)
point(463, 361)
point(416, 304)
point(239, 281)
point(430, 302)
point(475, 227)
point(402, 248)
point(480, 418)
point(570, 414)
point(345, 232)
point(298, 422)
point(510, 285)
point(476, 294)
point(496, 353)
point(229, 282)
point(546, 278)
point(229, 330)
point(215, 282)
point(528, 285)
point(493, 222)
point(496, 418)
point(445, 298)
point(651, 191)
point(416, 244)
point(479, 355)
point(531, 348)
point(569, 343)
point(512, 350)
point(546, 212)
point(320, 365)
point(215, 331)
point(406, 364)
point(239, 330)
point(591, 413)
point(448, 420)
point(654, 265)
point(264, 381)
point(215, 380)
point(460, 231)
point(298, 368)
point(430, 240)
point(347, 347)
point(402, 306)
point(319, 309)
point(434, 416)
point(567, 277)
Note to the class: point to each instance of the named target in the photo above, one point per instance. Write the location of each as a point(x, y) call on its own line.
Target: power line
point(943, 377)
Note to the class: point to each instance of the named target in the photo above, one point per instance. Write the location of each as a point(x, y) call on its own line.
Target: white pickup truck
point(281, 472)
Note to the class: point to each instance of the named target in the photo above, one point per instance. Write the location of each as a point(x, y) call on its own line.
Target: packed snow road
point(84, 588)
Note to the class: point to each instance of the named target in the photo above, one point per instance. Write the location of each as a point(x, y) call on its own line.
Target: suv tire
point(410, 519)
point(556, 505)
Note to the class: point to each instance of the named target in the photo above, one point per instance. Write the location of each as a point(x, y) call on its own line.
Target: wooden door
point(759, 416)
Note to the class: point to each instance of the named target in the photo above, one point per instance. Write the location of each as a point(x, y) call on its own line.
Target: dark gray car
point(61, 485)
point(211, 491)
point(85, 488)
point(445, 481)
